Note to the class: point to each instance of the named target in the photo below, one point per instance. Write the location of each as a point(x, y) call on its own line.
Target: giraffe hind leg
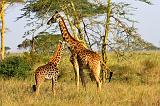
point(54, 82)
point(39, 81)
point(96, 72)
point(82, 76)
point(74, 62)
point(98, 82)
point(91, 76)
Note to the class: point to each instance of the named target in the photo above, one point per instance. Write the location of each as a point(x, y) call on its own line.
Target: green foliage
point(32, 58)
point(44, 43)
point(15, 66)
point(146, 1)
point(14, 1)
point(124, 38)
point(40, 7)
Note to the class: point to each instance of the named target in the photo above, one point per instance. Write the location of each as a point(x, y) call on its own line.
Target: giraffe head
point(55, 18)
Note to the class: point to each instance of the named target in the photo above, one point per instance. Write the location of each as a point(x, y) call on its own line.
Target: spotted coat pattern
point(49, 70)
point(81, 57)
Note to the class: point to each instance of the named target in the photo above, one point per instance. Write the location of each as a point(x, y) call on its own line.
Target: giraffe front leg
point(76, 70)
point(39, 81)
point(82, 76)
point(54, 82)
point(37, 89)
point(96, 72)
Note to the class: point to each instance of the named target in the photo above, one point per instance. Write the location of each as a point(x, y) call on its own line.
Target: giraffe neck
point(65, 33)
point(72, 43)
point(55, 59)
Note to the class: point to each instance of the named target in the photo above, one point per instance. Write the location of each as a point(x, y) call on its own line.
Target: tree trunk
point(105, 39)
point(71, 25)
point(3, 29)
point(77, 23)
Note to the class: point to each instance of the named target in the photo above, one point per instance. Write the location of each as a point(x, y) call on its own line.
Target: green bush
point(33, 58)
point(15, 66)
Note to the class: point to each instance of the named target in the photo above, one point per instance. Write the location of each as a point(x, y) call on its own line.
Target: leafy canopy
point(44, 43)
point(41, 7)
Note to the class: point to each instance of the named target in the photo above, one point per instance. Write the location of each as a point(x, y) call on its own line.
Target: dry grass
point(14, 93)
point(135, 83)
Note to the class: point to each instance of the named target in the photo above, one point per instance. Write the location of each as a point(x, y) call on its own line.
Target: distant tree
point(44, 43)
point(7, 48)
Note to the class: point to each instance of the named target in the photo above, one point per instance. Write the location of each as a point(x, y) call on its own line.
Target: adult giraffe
point(81, 57)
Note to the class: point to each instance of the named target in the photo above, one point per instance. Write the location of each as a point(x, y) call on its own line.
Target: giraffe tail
point(34, 87)
point(110, 76)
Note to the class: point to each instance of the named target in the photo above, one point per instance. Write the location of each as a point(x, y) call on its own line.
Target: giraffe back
point(47, 71)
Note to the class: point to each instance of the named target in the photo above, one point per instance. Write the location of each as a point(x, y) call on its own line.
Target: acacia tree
point(77, 11)
point(105, 38)
point(129, 33)
point(2, 29)
point(44, 43)
point(2, 14)
point(117, 33)
point(73, 9)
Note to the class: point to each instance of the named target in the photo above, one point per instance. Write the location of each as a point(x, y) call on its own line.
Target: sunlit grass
point(14, 92)
point(134, 83)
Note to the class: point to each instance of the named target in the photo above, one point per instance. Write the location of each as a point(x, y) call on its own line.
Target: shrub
point(34, 58)
point(15, 66)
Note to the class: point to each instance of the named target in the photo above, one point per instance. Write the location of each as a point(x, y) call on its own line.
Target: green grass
point(136, 82)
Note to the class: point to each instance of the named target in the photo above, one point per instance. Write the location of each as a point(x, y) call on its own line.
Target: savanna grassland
point(136, 82)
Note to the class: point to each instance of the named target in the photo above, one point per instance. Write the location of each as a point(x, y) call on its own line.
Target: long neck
point(65, 33)
point(72, 43)
point(55, 59)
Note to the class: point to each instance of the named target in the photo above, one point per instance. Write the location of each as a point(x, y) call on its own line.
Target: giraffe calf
point(49, 70)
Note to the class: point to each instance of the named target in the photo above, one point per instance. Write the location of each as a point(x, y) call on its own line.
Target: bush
point(15, 66)
point(32, 58)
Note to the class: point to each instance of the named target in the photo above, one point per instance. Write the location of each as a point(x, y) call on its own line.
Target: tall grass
point(135, 83)
point(14, 93)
